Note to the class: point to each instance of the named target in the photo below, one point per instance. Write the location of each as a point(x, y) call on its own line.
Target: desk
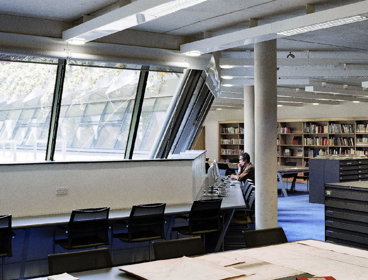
point(278, 262)
point(234, 199)
point(283, 170)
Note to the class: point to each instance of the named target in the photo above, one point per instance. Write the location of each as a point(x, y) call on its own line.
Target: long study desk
point(284, 261)
point(286, 170)
point(232, 201)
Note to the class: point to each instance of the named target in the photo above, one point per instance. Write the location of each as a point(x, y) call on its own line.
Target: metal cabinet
point(322, 171)
point(346, 213)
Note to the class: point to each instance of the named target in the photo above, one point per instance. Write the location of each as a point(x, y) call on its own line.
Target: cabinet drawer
point(349, 178)
point(354, 206)
point(347, 194)
point(349, 172)
point(347, 225)
point(349, 162)
point(348, 236)
point(347, 215)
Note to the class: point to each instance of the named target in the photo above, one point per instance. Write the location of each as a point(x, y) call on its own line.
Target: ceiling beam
point(272, 30)
point(20, 44)
point(128, 16)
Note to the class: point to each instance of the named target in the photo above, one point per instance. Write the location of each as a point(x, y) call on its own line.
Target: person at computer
point(245, 169)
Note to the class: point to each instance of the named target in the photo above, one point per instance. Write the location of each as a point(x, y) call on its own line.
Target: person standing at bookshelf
point(245, 168)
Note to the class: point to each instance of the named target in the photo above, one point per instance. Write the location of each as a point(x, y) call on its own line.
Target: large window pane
point(26, 91)
point(161, 87)
point(95, 113)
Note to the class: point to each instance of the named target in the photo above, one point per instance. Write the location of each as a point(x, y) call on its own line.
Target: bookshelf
point(300, 140)
point(231, 141)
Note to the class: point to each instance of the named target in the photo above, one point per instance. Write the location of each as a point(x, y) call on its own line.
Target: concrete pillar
point(249, 121)
point(265, 75)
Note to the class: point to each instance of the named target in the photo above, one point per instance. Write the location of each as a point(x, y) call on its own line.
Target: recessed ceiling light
point(227, 85)
point(323, 25)
point(315, 103)
point(279, 105)
point(227, 77)
point(218, 109)
point(76, 41)
point(193, 53)
point(356, 101)
point(226, 66)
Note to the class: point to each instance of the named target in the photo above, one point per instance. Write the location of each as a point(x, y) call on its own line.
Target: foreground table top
point(278, 262)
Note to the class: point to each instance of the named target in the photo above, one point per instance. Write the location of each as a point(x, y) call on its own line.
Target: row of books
point(311, 153)
point(284, 129)
point(362, 141)
point(362, 127)
point(231, 151)
point(341, 128)
point(232, 130)
point(315, 128)
point(361, 152)
point(341, 141)
point(235, 141)
point(315, 141)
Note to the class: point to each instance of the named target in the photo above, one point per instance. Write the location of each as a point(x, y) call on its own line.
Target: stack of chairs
point(243, 219)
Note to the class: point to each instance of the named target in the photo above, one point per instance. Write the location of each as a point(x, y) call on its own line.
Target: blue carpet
point(299, 218)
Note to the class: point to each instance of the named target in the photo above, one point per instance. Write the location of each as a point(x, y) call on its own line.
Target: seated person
point(245, 169)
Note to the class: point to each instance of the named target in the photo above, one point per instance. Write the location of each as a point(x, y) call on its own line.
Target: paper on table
point(223, 259)
point(63, 276)
point(181, 269)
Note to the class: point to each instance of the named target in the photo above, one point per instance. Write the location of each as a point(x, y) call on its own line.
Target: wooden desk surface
point(233, 200)
point(279, 261)
point(291, 169)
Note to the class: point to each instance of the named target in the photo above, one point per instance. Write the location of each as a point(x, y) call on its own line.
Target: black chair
point(6, 236)
point(79, 261)
point(204, 217)
point(264, 237)
point(145, 223)
point(167, 249)
point(86, 228)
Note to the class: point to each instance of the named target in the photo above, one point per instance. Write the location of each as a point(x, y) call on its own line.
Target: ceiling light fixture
point(193, 53)
point(315, 104)
point(227, 85)
point(226, 66)
point(133, 14)
point(290, 55)
point(77, 41)
point(323, 25)
point(227, 77)
point(356, 101)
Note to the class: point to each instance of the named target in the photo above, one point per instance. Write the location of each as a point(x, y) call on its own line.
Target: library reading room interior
point(122, 121)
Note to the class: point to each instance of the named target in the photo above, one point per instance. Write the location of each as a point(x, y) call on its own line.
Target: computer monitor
point(211, 175)
point(216, 170)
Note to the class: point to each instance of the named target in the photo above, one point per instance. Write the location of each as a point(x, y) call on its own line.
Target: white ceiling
point(327, 59)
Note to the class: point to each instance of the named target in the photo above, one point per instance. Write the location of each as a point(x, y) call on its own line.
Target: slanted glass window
point(26, 92)
point(95, 113)
point(160, 89)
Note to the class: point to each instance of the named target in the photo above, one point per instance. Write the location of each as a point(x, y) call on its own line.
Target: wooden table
point(284, 170)
point(279, 262)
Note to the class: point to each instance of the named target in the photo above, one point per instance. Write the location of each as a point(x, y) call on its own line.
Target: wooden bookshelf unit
point(300, 140)
point(231, 141)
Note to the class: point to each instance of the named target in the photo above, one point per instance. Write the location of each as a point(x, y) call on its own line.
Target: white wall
point(345, 110)
point(30, 190)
